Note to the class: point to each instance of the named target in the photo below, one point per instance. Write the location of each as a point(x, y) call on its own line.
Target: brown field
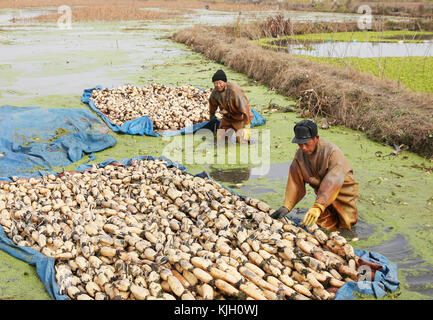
point(110, 10)
point(396, 8)
point(106, 13)
point(172, 4)
point(386, 112)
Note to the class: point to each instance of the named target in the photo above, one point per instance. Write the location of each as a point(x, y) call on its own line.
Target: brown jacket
point(233, 101)
point(329, 173)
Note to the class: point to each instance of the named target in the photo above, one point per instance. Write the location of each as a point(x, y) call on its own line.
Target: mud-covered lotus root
point(169, 108)
point(151, 232)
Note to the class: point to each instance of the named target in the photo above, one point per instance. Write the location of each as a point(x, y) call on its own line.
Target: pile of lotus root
point(152, 231)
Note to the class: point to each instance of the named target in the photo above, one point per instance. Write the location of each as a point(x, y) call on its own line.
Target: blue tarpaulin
point(44, 265)
point(144, 125)
point(35, 139)
point(385, 279)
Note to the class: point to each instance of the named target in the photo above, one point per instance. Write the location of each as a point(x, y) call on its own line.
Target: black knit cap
point(304, 131)
point(219, 75)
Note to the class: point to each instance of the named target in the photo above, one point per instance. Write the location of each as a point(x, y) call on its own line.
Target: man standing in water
point(233, 105)
point(323, 166)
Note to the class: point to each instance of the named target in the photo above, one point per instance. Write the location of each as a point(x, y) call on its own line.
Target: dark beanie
point(219, 75)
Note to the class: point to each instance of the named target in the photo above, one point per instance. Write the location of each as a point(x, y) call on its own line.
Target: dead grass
point(277, 26)
point(397, 8)
point(111, 10)
point(173, 4)
point(400, 8)
point(345, 96)
point(106, 13)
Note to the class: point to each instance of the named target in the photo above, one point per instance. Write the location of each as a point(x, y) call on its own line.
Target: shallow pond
point(51, 67)
point(362, 49)
point(8, 16)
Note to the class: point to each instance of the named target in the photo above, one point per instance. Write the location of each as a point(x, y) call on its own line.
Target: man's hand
point(281, 212)
point(246, 132)
point(312, 215)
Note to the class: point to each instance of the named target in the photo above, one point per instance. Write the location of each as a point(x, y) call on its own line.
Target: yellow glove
point(246, 132)
point(312, 215)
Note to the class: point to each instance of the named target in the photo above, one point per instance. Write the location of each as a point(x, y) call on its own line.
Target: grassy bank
point(359, 36)
point(384, 110)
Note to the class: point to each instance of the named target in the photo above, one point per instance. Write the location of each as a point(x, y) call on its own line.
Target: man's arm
point(295, 191)
point(213, 106)
point(242, 104)
point(329, 188)
point(333, 180)
point(295, 188)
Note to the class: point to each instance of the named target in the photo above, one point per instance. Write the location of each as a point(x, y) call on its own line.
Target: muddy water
point(51, 67)
point(236, 176)
point(57, 65)
point(419, 276)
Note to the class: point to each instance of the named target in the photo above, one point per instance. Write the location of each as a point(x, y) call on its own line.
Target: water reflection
point(233, 176)
point(278, 171)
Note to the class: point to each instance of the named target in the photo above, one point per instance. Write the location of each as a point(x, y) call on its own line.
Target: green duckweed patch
point(19, 280)
point(415, 73)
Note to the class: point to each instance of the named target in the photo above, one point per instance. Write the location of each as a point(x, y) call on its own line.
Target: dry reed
point(111, 10)
point(162, 4)
point(106, 13)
